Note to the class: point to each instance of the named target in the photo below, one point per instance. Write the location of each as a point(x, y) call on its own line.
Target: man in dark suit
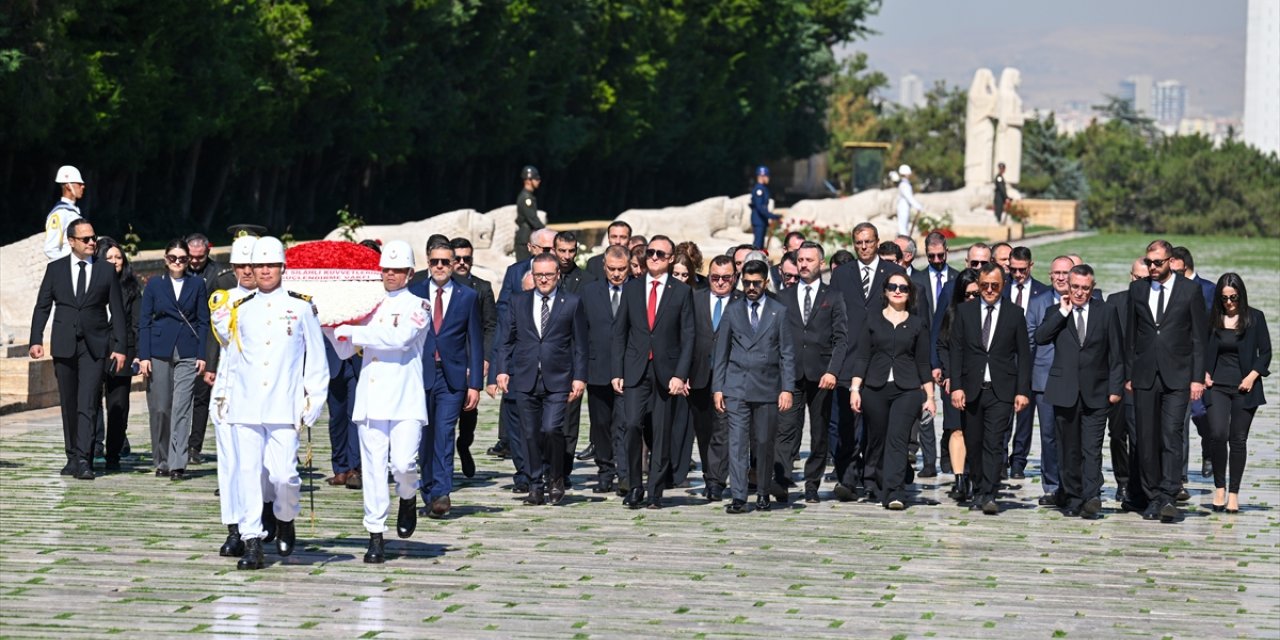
point(618, 234)
point(1040, 306)
point(1020, 289)
point(572, 280)
point(542, 361)
point(463, 259)
point(818, 324)
point(452, 372)
point(1182, 262)
point(753, 372)
point(710, 426)
point(216, 276)
point(859, 283)
point(1086, 379)
point(602, 299)
point(1165, 364)
point(930, 282)
point(1021, 286)
point(84, 290)
point(1120, 422)
point(653, 339)
point(990, 379)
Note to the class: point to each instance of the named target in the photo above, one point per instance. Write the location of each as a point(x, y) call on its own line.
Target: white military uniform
point(906, 200)
point(55, 229)
point(391, 404)
point(279, 384)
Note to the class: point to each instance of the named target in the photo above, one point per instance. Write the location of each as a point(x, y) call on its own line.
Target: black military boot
point(406, 519)
point(268, 521)
point(234, 546)
point(286, 537)
point(377, 553)
point(252, 558)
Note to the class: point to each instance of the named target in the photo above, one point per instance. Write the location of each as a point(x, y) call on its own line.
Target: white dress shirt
point(995, 320)
point(648, 286)
point(537, 307)
point(1154, 300)
point(75, 271)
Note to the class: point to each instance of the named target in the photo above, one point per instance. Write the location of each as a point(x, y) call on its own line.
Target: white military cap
point(268, 250)
point(904, 170)
point(68, 174)
point(396, 254)
point(242, 250)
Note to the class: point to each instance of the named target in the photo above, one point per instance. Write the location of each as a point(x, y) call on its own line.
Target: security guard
point(278, 387)
point(760, 215)
point(527, 220)
point(63, 213)
point(220, 304)
point(391, 404)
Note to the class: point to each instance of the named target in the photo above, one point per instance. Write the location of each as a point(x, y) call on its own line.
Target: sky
point(1077, 50)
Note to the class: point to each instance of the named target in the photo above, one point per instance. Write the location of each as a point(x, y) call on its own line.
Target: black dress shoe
point(1015, 474)
point(268, 522)
point(1206, 468)
point(635, 498)
point(162, 473)
point(603, 485)
point(234, 546)
point(467, 462)
point(520, 487)
point(990, 508)
point(1048, 500)
point(499, 450)
point(68, 470)
point(586, 454)
point(762, 502)
point(407, 517)
point(811, 496)
point(1169, 512)
point(177, 475)
point(1071, 512)
point(1183, 496)
point(556, 495)
point(286, 538)
point(536, 497)
point(1122, 495)
point(655, 500)
point(377, 551)
point(112, 465)
point(1152, 512)
point(1092, 506)
point(928, 472)
point(85, 472)
point(252, 558)
point(715, 493)
point(779, 493)
point(843, 493)
point(737, 506)
point(194, 457)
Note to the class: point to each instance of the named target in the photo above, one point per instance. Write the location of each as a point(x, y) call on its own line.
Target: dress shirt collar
point(874, 264)
point(649, 280)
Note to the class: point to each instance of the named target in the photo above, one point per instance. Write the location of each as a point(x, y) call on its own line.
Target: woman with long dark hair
point(964, 288)
point(892, 384)
point(1237, 354)
point(171, 345)
point(116, 383)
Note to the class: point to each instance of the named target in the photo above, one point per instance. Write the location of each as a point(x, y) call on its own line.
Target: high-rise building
point(911, 91)
point(1136, 90)
point(1261, 78)
point(1169, 102)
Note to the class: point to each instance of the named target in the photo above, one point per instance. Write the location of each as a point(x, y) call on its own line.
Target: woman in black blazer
point(1237, 354)
point(172, 331)
point(116, 383)
point(892, 383)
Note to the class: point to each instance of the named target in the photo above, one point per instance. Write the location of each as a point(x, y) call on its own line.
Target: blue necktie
point(755, 314)
point(937, 291)
point(715, 314)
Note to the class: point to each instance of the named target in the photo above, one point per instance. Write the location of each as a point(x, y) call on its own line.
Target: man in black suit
point(84, 291)
point(1087, 378)
point(1165, 362)
point(602, 299)
point(653, 339)
point(542, 362)
point(818, 325)
point(618, 234)
point(1021, 286)
point(1181, 261)
point(990, 379)
point(463, 259)
point(1121, 423)
point(710, 427)
point(859, 283)
point(930, 282)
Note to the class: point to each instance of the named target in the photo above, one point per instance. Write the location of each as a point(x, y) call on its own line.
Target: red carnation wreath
point(342, 278)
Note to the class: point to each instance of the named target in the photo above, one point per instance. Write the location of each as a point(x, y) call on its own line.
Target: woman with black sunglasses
point(171, 345)
point(1237, 354)
point(891, 385)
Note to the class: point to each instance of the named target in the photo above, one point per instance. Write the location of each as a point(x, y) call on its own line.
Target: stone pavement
point(136, 555)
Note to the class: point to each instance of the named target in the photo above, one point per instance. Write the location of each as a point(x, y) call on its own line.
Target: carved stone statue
point(1009, 130)
point(980, 129)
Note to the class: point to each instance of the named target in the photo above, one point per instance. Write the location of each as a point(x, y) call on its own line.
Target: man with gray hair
point(908, 246)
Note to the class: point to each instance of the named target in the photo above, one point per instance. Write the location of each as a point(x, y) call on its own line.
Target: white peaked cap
point(904, 171)
point(68, 174)
point(242, 250)
point(268, 250)
point(396, 254)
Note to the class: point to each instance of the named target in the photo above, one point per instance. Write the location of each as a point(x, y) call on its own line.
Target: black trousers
point(711, 429)
point(850, 445)
point(604, 408)
point(1229, 422)
point(200, 415)
point(572, 427)
point(986, 423)
point(791, 430)
point(683, 436)
point(888, 415)
point(467, 428)
point(542, 416)
point(1161, 412)
point(1120, 426)
point(116, 392)
point(78, 378)
point(1079, 432)
point(649, 399)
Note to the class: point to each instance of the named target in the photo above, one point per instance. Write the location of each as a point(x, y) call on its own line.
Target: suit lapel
point(663, 302)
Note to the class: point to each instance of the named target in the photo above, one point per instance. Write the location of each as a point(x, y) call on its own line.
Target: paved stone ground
point(133, 554)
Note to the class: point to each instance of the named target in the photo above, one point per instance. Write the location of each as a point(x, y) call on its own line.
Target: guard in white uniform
point(63, 213)
point(391, 404)
point(220, 303)
point(279, 386)
point(906, 201)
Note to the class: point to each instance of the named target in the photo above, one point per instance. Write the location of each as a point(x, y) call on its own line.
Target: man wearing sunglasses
point(463, 260)
point(80, 291)
point(1121, 422)
point(710, 427)
point(932, 281)
point(64, 212)
point(1021, 286)
point(1165, 353)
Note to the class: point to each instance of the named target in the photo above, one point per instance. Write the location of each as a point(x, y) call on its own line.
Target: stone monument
point(980, 129)
point(1009, 131)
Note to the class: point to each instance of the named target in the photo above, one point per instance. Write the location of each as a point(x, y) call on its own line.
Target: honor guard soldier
point(279, 385)
point(63, 213)
point(220, 304)
point(527, 220)
point(391, 404)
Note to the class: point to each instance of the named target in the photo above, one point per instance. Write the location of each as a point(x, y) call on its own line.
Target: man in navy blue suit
point(602, 299)
point(452, 372)
point(1021, 288)
point(541, 327)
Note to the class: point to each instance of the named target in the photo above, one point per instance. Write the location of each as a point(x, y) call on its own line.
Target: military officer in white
point(279, 386)
point(63, 213)
point(220, 303)
point(391, 404)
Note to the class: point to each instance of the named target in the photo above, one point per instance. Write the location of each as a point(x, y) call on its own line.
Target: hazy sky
point(1072, 50)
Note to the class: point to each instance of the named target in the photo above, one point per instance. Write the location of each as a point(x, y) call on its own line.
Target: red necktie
point(653, 303)
point(437, 316)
